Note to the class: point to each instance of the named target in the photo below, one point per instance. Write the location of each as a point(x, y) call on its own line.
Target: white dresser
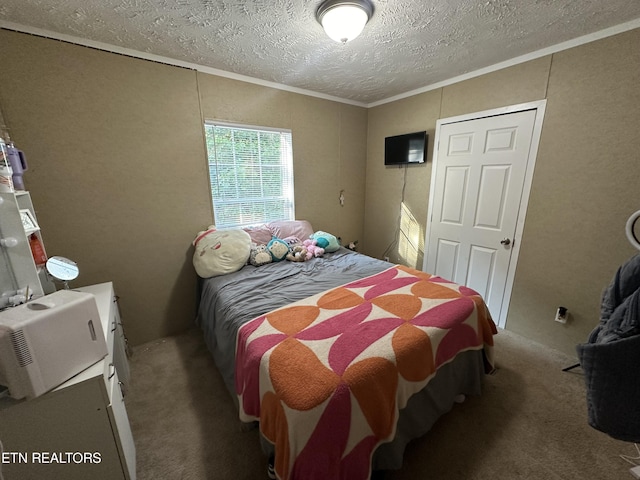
point(79, 430)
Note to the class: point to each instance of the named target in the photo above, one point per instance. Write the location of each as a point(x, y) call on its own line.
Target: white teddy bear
point(218, 252)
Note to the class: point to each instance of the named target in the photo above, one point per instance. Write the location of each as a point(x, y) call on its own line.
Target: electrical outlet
point(561, 315)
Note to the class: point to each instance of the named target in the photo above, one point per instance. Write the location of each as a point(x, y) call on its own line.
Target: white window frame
point(286, 164)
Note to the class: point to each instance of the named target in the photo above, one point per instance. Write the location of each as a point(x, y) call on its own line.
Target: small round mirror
point(62, 269)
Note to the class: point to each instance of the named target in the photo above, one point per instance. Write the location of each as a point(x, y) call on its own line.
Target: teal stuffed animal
point(323, 237)
point(278, 249)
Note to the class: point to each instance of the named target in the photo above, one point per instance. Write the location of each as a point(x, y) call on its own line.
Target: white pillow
point(218, 252)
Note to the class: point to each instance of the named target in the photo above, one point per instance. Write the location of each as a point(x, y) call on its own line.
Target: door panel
point(446, 258)
point(502, 139)
point(490, 208)
point(477, 189)
point(460, 144)
point(452, 205)
point(481, 269)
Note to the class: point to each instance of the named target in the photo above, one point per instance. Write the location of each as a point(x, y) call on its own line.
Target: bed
point(342, 360)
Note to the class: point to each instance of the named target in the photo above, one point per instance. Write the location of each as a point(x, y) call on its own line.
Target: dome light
point(344, 20)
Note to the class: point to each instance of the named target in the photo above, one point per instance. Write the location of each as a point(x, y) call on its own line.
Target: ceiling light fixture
point(344, 20)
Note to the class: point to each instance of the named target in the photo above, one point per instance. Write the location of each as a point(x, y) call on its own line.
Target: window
point(251, 174)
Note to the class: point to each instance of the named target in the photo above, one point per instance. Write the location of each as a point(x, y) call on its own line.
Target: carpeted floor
point(530, 422)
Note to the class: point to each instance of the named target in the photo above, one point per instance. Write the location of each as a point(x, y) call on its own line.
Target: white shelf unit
point(18, 269)
point(86, 414)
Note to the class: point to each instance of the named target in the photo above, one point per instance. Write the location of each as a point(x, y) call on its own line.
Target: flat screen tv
point(405, 149)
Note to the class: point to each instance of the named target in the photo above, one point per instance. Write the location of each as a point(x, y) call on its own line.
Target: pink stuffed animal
point(312, 248)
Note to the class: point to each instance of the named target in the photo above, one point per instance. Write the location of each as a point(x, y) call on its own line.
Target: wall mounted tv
point(406, 149)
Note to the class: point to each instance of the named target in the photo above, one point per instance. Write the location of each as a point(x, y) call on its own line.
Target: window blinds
point(251, 174)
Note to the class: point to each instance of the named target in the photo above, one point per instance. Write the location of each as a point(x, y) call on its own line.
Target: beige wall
point(385, 186)
point(113, 145)
point(329, 146)
point(584, 188)
point(118, 171)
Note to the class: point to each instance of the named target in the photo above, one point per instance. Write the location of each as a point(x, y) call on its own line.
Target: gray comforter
point(611, 358)
point(231, 300)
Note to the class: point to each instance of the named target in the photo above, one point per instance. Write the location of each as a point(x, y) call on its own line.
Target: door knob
point(505, 241)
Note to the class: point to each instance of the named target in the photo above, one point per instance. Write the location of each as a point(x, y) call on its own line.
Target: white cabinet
point(18, 270)
point(82, 424)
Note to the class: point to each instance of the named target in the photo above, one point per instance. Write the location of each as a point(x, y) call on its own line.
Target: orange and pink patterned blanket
point(327, 376)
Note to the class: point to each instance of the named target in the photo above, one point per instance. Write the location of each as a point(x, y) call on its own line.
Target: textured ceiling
point(407, 44)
